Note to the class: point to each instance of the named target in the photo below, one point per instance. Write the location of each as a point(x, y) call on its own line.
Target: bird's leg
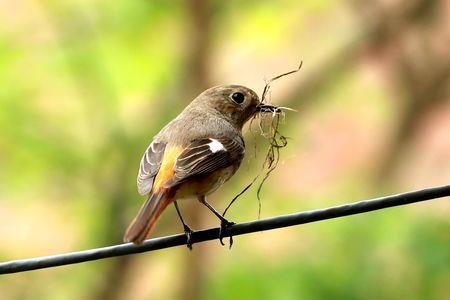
point(224, 223)
point(187, 230)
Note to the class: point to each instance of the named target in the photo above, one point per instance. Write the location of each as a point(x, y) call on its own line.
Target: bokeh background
point(86, 84)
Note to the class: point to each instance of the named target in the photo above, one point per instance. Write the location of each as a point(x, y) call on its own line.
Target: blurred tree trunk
point(199, 12)
point(419, 74)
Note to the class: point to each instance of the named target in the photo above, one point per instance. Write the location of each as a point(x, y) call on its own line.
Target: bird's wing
point(205, 156)
point(150, 164)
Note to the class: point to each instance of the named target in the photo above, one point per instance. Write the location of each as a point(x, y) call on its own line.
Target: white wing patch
point(215, 146)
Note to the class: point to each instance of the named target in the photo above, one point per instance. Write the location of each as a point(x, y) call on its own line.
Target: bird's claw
point(188, 231)
point(224, 224)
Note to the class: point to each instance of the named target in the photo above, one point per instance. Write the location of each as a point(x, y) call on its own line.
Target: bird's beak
point(267, 108)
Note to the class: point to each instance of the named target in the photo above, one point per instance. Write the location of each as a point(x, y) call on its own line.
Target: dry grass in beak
point(268, 119)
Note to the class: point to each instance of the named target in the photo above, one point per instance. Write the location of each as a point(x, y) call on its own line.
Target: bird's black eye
point(238, 97)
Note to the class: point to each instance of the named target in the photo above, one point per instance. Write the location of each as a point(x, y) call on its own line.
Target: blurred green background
point(86, 84)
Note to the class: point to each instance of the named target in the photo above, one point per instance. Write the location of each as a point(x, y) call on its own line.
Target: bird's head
point(235, 103)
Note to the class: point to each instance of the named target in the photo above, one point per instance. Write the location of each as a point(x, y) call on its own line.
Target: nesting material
point(268, 121)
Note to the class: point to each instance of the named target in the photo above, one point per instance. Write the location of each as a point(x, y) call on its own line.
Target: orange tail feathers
point(143, 223)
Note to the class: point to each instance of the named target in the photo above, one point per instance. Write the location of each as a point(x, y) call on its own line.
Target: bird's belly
point(204, 185)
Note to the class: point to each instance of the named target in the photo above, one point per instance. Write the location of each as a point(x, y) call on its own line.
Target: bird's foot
point(188, 232)
point(224, 224)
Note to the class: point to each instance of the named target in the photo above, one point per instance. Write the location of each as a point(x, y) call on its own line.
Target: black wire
point(238, 229)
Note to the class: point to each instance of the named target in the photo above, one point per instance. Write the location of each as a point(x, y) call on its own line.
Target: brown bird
point(193, 155)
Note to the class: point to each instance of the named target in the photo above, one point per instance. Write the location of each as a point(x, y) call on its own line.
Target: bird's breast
point(205, 184)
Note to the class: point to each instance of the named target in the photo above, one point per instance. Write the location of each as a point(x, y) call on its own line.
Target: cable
point(238, 229)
